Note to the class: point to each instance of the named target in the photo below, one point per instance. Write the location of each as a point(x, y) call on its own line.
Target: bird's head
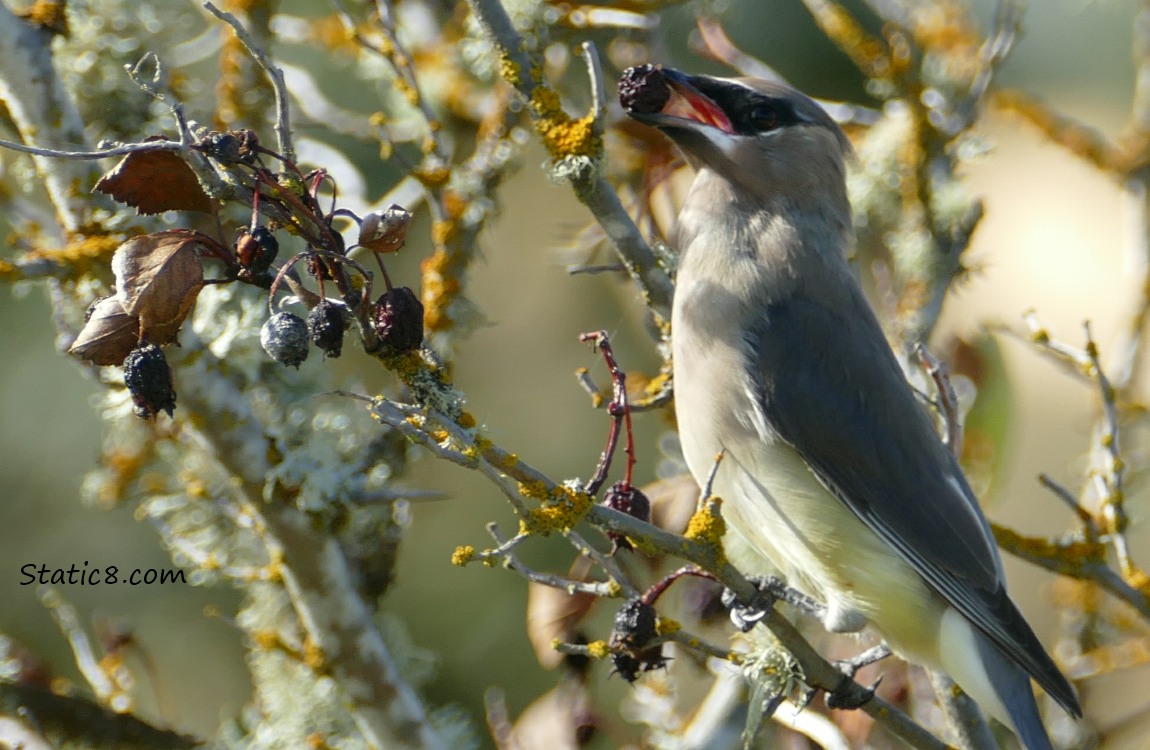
point(765, 136)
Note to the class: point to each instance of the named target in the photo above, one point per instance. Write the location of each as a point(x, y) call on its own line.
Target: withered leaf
point(154, 182)
point(157, 279)
point(109, 335)
point(561, 719)
point(673, 502)
point(385, 231)
point(553, 614)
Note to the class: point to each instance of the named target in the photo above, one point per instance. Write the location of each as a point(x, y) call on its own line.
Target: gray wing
point(849, 412)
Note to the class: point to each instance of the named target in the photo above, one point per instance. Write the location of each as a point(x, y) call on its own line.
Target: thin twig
point(283, 115)
point(602, 589)
point(131, 148)
point(947, 398)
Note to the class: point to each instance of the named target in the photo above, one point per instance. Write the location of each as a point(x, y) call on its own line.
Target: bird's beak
point(665, 98)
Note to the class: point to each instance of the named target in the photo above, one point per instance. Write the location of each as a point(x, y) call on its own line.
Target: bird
point(832, 467)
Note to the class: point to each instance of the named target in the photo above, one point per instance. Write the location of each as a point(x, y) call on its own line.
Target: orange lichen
point(313, 655)
point(866, 52)
point(432, 177)
point(47, 14)
point(440, 287)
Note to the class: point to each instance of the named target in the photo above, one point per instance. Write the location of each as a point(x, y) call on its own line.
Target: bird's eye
point(764, 117)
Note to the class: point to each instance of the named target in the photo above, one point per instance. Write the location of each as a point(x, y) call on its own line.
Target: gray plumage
point(834, 470)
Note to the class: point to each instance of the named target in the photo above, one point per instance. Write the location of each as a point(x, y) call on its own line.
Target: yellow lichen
point(509, 69)
point(707, 525)
point(462, 555)
point(562, 135)
point(562, 508)
point(599, 649)
point(666, 626)
point(466, 420)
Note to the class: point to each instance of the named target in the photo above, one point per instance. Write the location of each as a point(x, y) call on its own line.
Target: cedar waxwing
point(832, 467)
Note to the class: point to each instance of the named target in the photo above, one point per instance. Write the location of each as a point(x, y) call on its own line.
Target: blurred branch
point(43, 112)
point(76, 722)
point(344, 641)
point(963, 716)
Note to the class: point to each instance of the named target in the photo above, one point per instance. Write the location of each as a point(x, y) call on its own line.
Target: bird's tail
point(994, 680)
point(1012, 685)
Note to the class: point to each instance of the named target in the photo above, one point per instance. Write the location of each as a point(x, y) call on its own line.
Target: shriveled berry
point(231, 147)
point(634, 628)
point(626, 498)
point(256, 250)
point(643, 89)
point(317, 268)
point(149, 380)
point(398, 319)
point(284, 337)
point(325, 324)
point(634, 624)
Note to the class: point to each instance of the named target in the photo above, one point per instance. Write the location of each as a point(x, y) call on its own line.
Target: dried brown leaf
point(158, 277)
point(109, 334)
point(673, 502)
point(553, 614)
point(155, 181)
point(561, 719)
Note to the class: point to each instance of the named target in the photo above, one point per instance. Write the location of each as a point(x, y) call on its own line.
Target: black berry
point(325, 324)
point(284, 337)
point(643, 89)
point(149, 380)
point(624, 497)
point(635, 627)
point(257, 250)
point(398, 320)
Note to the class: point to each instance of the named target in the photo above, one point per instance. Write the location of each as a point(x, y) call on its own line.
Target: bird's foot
point(745, 615)
point(777, 589)
point(850, 695)
point(850, 667)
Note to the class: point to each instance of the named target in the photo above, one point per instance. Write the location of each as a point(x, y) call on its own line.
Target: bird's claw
point(850, 667)
point(849, 695)
point(745, 616)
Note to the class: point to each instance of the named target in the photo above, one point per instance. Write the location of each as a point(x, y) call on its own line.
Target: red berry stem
point(650, 595)
point(620, 411)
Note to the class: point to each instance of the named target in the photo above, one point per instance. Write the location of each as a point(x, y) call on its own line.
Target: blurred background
point(1058, 237)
